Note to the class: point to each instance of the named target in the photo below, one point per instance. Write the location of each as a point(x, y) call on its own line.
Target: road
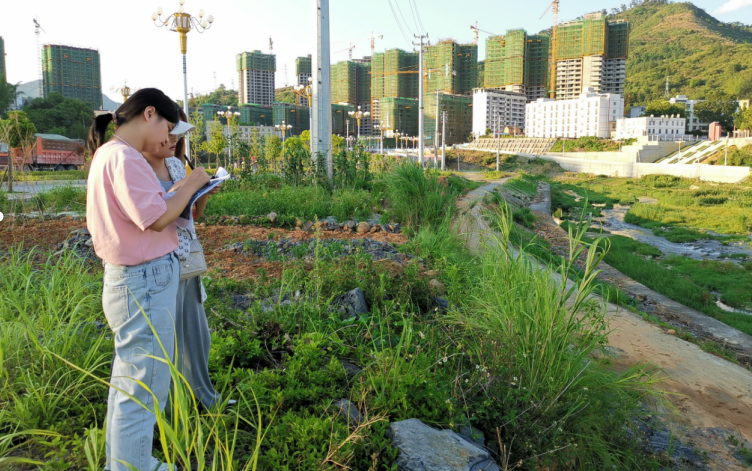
point(23, 189)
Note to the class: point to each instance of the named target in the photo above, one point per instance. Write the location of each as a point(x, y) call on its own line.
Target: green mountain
point(699, 53)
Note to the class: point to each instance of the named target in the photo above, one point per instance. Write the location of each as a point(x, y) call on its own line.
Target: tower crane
point(271, 45)
point(373, 43)
point(554, 37)
point(371, 38)
point(37, 29)
point(346, 49)
point(477, 30)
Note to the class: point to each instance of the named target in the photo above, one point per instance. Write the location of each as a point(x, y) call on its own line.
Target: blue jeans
point(132, 298)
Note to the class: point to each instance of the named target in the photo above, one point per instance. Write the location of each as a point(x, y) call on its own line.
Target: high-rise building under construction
point(351, 85)
point(3, 72)
point(256, 78)
point(518, 63)
point(74, 72)
point(591, 53)
point(302, 74)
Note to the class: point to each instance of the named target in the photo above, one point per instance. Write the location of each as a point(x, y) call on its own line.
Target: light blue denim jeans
point(132, 298)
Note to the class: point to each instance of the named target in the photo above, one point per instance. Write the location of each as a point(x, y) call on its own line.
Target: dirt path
point(713, 397)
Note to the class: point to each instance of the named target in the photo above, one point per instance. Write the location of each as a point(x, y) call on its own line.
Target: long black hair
point(133, 107)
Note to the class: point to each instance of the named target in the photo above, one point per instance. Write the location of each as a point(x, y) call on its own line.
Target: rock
point(364, 227)
point(272, 217)
point(671, 332)
point(442, 305)
point(351, 369)
point(83, 231)
point(308, 226)
point(473, 435)
point(641, 297)
point(241, 302)
point(433, 273)
point(352, 303)
point(374, 229)
point(298, 223)
point(437, 285)
point(349, 410)
point(89, 243)
point(422, 448)
point(350, 224)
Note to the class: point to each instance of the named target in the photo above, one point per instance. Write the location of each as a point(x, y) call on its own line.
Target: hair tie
point(114, 116)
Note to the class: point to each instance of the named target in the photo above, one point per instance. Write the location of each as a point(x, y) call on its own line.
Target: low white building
point(662, 127)
point(592, 114)
point(246, 132)
point(496, 109)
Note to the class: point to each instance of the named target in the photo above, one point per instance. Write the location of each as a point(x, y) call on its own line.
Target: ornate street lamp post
point(229, 115)
point(359, 115)
point(307, 92)
point(183, 23)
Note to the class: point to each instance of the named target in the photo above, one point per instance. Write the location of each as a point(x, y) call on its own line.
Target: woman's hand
point(215, 190)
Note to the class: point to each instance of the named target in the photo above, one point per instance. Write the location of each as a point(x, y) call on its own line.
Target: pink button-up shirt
point(123, 199)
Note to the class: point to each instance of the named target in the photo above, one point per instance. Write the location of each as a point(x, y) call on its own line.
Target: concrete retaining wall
point(712, 173)
point(599, 156)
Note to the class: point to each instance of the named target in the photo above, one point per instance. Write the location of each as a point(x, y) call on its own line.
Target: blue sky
point(133, 48)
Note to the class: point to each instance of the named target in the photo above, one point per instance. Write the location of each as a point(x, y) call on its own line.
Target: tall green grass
point(537, 339)
point(416, 197)
point(305, 202)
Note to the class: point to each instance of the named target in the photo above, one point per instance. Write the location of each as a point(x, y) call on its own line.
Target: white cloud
point(733, 5)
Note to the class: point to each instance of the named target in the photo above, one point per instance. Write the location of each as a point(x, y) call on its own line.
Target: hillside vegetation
point(696, 51)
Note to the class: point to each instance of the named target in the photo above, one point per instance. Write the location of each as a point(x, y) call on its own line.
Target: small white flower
point(422, 335)
point(467, 380)
point(585, 389)
point(445, 359)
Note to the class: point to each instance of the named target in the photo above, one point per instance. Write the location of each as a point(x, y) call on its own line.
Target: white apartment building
point(591, 114)
point(246, 132)
point(661, 127)
point(693, 123)
point(496, 109)
point(573, 76)
point(637, 111)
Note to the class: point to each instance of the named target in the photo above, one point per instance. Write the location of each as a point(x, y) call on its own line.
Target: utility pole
point(443, 140)
point(420, 98)
point(498, 142)
point(436, 133)
point(321, 127)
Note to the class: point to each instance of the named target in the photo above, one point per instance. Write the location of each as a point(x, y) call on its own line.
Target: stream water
point(613, 221)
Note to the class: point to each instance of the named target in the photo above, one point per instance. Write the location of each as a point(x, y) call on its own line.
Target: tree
point(743, 119)
point(718, 107)
point(664, 108)
point(17, 132)
point(56, 114)
point(306, 137)
point(8, 93)
point(273, 149)
point(217, 140)
point(198, 137)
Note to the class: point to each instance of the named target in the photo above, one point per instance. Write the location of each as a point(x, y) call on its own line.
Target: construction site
point(519, 63)
point(256, 72)
point(74, 72)
point(591, 53)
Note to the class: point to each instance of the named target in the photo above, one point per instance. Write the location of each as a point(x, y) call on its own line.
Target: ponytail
point(133, 107)
point(98, 131)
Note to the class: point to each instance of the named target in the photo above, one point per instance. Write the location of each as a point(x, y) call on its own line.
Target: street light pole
point(420, 97)
point(443, 140)
point(183, 23)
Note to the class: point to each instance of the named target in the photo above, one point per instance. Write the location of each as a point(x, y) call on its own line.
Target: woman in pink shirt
point(133, 231)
